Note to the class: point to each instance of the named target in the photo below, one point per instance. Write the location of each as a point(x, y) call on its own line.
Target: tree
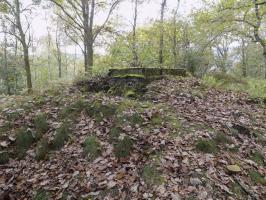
point(163, 5)
point(79, 19)
point(13, 15)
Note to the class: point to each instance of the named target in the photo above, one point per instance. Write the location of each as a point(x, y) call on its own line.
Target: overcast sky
point(147, 11)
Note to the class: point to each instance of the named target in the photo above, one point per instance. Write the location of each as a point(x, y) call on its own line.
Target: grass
point(123, 147)
point(42, 149)
point(151, 175)
point(206, 146)
point(74, 109)
point(41, 195)
point(41, 124)
point(4, 157)
point(24, 140)
point(221, 139)
point(258, 158)
point(156, 120)
point(114, 134)
point(255, 87)
point(257, 178)
point(61, 136)
point(99, 111)
point(134, 119)
point(92, 148)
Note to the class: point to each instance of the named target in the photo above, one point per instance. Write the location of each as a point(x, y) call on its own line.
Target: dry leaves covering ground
point(183, 135)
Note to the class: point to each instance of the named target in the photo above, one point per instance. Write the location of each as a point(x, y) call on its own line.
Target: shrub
point(123, 147)
point(134, 119)
point(92, 148)
point(74, 109)
point(24, 140)
point(61, 136)
point(151, 175)
point(4, 157)
point(206, 146)
point(258, 158)
point(42, 149)
point(41, 124)
point(98, 111)
point(221, 138)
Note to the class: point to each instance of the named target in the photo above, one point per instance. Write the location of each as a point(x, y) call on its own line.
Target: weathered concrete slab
point(147, 72)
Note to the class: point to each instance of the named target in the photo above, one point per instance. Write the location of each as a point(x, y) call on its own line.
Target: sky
point(147, 11)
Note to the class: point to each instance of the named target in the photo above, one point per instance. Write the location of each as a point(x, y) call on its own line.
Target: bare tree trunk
point(161, 58)
point(134, 37)
point(66, 62)
point(243, 53)
point(58, 52)
point(24, 45)
point(75, 60)
point(174, 34)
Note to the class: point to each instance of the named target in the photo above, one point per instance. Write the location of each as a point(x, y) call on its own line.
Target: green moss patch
point(4, 157)
point(123, 147)
point(61, 136)
point(24, 140)
point(258, 158)
point(257, 178)
point(42, 149)
point(206, 146)
point(41, 124)
point(92, 148)
point(152, 175)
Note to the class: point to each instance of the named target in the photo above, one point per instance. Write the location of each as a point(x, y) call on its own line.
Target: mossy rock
point(221, 138)
point(257, 178)
point(123, 147)
point(92, 148)
point(24, 140)
point(206, 146)
point(114, 134)
point(41, 195)
point(258, 158)
point(4, 157)
point(152, 175)
point(41, 124)
point(42, 149)
point(61, 136)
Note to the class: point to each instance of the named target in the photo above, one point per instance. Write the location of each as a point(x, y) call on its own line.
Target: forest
point(132, 99)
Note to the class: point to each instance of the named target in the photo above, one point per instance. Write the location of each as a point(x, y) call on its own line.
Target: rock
point(233, 168)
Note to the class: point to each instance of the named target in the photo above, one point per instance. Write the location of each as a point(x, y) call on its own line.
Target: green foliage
point(73, 110)
point(134, 119)
point(114, 134)
point(123, 147)
point(206, 146)
point(257, 178)
point(92, 148)
point(4, 157)
point(258, 158)
point(42, 149)
point(99, 111)
point(130, 93)
point(24, 140)
point(221, 138)
point(152, 176)
point(41, 195)
point(41, 124)
point(61, 136)
point(156, 120)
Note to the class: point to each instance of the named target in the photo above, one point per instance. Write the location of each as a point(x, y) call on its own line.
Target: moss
point(123, 147)
point(257, 178)
point(61, 136)
point(42, 149)
point(221, 138)
point(92, 148)
point(24, 140)
point(206, 146)
point(41, 195)
point(152, 176)
point(114, 134)
point(130, 93)
point(258, 158)
point(156, 120)
point(41, 124)
point(130, 76)
point(4, 157)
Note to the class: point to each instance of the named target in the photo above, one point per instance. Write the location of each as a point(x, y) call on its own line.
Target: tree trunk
point(264, 59)
point(134, 37)
point(244, 65)
point(27, 67)
point(161, 59)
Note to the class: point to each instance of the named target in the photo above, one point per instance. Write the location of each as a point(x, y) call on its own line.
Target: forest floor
point(182, 140)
